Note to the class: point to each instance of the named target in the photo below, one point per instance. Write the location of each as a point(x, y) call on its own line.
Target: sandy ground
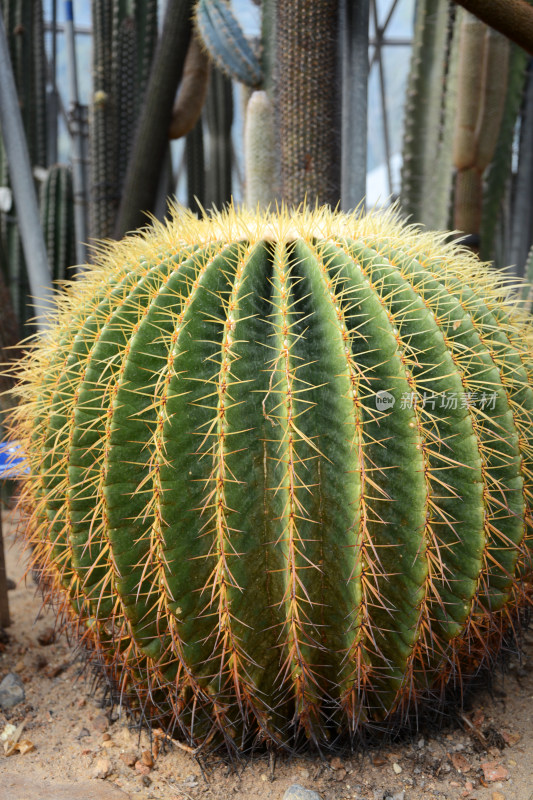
point(70, 735)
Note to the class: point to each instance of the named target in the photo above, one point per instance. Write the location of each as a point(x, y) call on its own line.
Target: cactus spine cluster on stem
point(281, 472)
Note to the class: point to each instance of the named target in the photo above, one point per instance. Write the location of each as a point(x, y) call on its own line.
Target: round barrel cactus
point(281, 472)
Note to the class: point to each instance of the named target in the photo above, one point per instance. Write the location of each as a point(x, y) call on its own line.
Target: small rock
point(11, 691)
point(100, 723)
point(304, 773)
point(10, 584)
point(83, 733)
point(101, 769)
point(129, 758)
point(399, 795)
point(147, 758)
point(297, 792)
point(340, 774)
point(336, 763)
point(141, 768)
point(47, 637)
point(494, 771)
point(460, 763)
point(145, 780)
point(511, 738)
point(396, 767)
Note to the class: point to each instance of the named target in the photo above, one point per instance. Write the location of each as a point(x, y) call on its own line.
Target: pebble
point(397, 769)
point(21, 787)
point(100, 723)
point(297, 792)
point(11, 691)
point(101, 768)
point(493, 771)
point(129, 758)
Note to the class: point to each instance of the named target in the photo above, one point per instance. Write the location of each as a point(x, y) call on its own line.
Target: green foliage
point(281, 473)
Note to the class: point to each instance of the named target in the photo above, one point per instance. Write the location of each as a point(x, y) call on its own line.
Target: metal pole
point(23, 188)
point(76, 131)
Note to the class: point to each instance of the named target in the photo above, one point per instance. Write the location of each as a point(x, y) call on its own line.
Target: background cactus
point(281, 472)
point(124, 40)
point(219, 118)
point(57, 219)
point(25, 36)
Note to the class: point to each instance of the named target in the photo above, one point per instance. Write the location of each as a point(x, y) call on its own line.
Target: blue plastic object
point(12, 461)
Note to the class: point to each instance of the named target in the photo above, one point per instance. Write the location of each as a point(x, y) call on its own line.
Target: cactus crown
point(280, 470)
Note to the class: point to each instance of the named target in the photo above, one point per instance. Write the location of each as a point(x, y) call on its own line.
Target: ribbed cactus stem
point(281, 473)
point(426, 176)
point(57, 219)
point(261, 165)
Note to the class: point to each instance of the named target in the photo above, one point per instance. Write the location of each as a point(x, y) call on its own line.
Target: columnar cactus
point(57, 218)
point(281, 472)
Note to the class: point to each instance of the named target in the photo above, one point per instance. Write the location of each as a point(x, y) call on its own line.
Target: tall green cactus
point(23, 21)
point(281, 472)
point(430, 107)
point(124, 39)
point(57, 219)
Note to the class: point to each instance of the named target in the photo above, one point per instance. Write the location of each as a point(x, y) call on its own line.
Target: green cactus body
point(25, 37)
point(125, 35)
point(280, 471)
point(429, 116)
point(224, 40)
point(57, 218)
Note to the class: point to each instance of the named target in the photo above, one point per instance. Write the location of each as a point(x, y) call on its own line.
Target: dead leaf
point(511, 738)
point(460, 763)
point(24, 746)
point(494, 771)
point(378, 761)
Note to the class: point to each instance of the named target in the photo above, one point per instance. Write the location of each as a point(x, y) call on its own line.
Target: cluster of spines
point(336, 581)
